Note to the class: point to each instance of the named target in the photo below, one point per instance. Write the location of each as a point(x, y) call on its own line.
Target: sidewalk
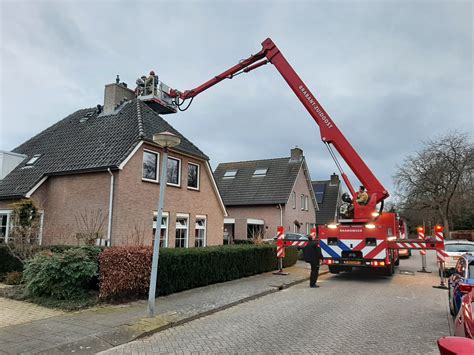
point(104, 327)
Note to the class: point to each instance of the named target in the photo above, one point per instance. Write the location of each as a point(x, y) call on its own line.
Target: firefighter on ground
point(312, 254)
point(362, 196)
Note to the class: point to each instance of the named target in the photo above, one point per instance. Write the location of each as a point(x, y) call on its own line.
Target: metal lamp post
point(165, 140)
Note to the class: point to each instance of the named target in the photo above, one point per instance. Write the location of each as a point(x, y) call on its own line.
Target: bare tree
point(434, 177)
point(90, 225)
point(24, 235)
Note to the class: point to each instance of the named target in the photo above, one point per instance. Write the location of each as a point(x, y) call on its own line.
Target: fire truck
point(369, 237)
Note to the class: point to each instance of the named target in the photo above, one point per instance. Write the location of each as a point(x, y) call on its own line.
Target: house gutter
point(281, 214)
point(111, 199)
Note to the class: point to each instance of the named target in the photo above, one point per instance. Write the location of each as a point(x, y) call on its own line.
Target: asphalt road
point(356, 313)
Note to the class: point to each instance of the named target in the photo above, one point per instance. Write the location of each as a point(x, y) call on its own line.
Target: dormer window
point(33, 159)
point(230, 174)
point(260, 172)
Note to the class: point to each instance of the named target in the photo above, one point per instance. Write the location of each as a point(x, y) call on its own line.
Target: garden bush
point(8, 262)
point(125, 271)
point(61, 275)
point(13, 278)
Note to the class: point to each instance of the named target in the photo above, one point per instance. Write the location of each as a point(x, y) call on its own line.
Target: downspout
point(111, 199)
point(281, 214)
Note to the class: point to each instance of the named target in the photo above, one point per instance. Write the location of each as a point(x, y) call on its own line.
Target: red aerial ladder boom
point(330, 133)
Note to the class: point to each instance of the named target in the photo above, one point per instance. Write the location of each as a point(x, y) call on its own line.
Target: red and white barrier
point(280, 243)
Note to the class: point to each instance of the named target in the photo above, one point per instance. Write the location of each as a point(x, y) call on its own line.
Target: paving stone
point(356, 313)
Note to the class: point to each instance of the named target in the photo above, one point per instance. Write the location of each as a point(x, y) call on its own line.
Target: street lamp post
point(165, 140)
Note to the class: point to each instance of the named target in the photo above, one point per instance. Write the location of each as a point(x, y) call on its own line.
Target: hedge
point(61, 275)
point(9, 263)
point(125, 271)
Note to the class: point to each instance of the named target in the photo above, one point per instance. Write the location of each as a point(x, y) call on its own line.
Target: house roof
point(245, 189)
point(327, 195)
point(88, 141)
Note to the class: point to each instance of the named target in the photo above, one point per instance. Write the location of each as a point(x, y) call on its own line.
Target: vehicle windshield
point(459, 248)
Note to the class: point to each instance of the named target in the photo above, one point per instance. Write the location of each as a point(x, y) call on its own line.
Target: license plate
point(353, 262)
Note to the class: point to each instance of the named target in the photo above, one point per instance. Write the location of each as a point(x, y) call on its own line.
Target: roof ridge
point(141, 133)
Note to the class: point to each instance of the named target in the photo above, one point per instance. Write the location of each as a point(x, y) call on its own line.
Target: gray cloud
point(389, 73)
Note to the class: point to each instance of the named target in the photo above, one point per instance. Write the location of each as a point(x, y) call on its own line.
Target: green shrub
point(63, 275)
point(13, 278)
point(8, 262)
point(125, 271)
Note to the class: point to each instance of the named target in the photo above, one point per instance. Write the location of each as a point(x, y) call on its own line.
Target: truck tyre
point(334, 269)
point(397, 262)
point(389, 270)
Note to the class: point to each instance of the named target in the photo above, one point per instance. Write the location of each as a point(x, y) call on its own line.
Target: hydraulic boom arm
point(330, 134)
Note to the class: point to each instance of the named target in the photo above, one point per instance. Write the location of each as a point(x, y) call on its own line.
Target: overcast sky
point(390, 73)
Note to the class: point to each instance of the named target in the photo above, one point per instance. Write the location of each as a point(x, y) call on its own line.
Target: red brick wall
point(63, 198)
point(135, 201)
point(291, 214)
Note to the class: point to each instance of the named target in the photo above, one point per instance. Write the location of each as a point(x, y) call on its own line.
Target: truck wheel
point(389, 270)
point(397, 262)
point(334, 269)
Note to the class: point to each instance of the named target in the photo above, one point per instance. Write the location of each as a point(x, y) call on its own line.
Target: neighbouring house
point(328, 195)
point(98, 170)
point(261, 195)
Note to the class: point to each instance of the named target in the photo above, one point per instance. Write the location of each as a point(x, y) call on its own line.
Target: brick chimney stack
point(334, 179)
point(296, 154)
point(114, 94)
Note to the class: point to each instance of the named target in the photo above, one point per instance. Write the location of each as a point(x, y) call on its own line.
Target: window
point(174, 171)
point(294, 199)
point(164, 228)
point(193, 176)
point(33, 159)
point(306, 203)
point(150, 165)
point(181, 232)
point(260, 172)
point(319, 192)
point(230, 174)
point(200, 232)
point(7, 223)
point(303, 199)
point(4, 227)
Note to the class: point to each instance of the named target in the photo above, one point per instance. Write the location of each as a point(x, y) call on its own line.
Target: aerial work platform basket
point(156, 94)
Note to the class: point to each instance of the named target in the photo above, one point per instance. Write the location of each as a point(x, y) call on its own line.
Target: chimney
point(296, 154)
point(115, 94)
point(334, 179)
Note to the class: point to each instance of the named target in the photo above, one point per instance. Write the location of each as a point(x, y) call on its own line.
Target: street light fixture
point(165, 140)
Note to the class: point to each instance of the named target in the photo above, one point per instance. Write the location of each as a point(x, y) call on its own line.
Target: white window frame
point(198, 177)
point(306, 203)
point(303, 199)
point(294, 199)
point(33, 159)
point(182, 215)
point(166, 227)
point(179, 172)
point(230, 173)
point(157, 165)
point(9, 225)
point(196, 227)
point(260, 172)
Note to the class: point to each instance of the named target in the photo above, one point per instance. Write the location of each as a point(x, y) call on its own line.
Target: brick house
point(261, 195)
point(102, 164)
point(328, 195)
